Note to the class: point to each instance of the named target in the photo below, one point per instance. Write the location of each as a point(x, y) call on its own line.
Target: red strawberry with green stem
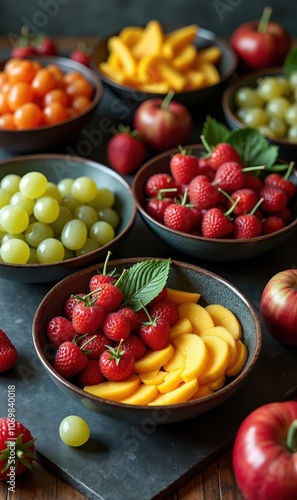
point(274, 199)
point(116, 326)
point(97, 343)
point(165, 309)
point(108, 296)
point(90, 374)
point(155, 332)
point(272, 223)
point(125, 150)
point(8, 352)
point(59, 329)
point(221, 153)
point(136, 345)
point(230, 176)
point(81, 54)
point(183, 166)
point(16, 438)
point(247, 200)
point(179, 216)
point(70, 359)
point(247, 226)
point(116, 363)
point(155, 207)
point(216, 224)
point(202, 193)
point(282, 182)
point(104, 277)
point(160, 182)
point(87, 315)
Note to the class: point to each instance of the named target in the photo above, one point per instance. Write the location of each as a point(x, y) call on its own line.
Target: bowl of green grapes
point(265, 100)
point(58, 214)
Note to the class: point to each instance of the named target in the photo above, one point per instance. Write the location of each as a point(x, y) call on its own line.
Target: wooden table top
point(214, 482)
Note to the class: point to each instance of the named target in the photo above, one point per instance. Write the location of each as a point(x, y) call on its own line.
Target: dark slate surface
point(138, 461)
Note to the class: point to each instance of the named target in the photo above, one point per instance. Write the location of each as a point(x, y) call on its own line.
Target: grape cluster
point(43, 222)
point(270, 107)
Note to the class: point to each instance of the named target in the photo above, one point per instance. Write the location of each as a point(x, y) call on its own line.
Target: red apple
point(164, 124)
point(260, 44)
point(278, 306)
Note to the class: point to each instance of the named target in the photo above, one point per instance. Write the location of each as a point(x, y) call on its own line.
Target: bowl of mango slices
point(147, 62)
point(214, 340)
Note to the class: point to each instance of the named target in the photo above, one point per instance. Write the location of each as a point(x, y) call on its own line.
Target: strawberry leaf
point(290, 64)
point(143, 282)
point(252, 147)
point(214, 132)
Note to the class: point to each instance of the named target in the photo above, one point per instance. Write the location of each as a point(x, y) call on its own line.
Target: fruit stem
point(289, 171)
point(230, 210)
point(151, 320)
point(256, 206)
point(167, 99)
point(106, 262)
point(291, 441)
point(255, 167)
point(205, 144)
point(263, 23)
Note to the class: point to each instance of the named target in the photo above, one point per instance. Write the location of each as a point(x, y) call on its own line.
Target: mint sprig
point(143, 281)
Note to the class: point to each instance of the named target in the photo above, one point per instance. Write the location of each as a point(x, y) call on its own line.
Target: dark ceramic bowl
point(197, 246)
point(46, 137)
point(205, 38)
point(213, 289)
point(57, 167)
point(287, 149)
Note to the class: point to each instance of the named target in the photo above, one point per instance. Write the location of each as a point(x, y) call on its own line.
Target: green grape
point(89, 246)
point(36, 232)
point(278, 127)
point(33, 256)
point(69, 254)
point(10, 183)
point(46, 209)
point(291, 115)
point(109, 215)
point(241, 113)
point(74, 430)
point(87, 214)
point(4, 197)
point(286, 87)
point(64, 216)
point(102, 232)
point(53, 191)
point(278, 106)
point(70, 202)
point(293, 79)
point(13, 219)
point(74, 234)
point(84, 189)
point(269, 88)
point(64, 186)
point(50, 250)
point(248, 97)
point(9, 236)
point(255, 117)
point(15, 251)
point(21, 201)
point(104, 198)
point(292, 133)
point(33, 184)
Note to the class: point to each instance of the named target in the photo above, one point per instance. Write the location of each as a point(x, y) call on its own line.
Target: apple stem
point(292, 437)
point(263, 23)
point(167, 99)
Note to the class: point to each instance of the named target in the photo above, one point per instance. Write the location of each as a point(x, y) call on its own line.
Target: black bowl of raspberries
point(229, 198)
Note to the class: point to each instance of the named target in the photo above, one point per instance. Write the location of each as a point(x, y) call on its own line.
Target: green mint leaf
point(252, 147)
point(290, 64)
point(214, 132)
point(144, 281)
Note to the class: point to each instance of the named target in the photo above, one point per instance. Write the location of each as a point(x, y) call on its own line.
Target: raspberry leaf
point(252, 147)
point(214, 132)
point(143, 282)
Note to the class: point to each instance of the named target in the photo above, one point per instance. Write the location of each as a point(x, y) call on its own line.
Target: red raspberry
point(165, 309)
point(59, 329)
point(116, 326)
point(135, 345)
point(156, 182)
point(90, 374)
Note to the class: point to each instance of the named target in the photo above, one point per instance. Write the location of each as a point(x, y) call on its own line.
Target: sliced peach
point(131, 34)
point(222, 332)
point(182, 326)
point(185, 58)
point(242, 355)
point(115, 44)
point(209, 70)
point(181, 37)
point(210, 54)
point(175, 78)
point(195, 352)
point(111, 72)
point(171, 381)
point(218, 358)
point(114, 391)
point(217, 383)
point(153, 360)
point(181, 296)
point(157, 87)
point(222, 316)
point(150, 41)
point(179, 395)
point(198, 315)
point(153, 378)
point(203, 390)
point(195, 80)
point(142, 396)
point(177, 362)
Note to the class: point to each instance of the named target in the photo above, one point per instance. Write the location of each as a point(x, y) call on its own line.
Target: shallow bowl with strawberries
point(196, 245)
point(64, 120)
point(113, 192)
point(183, 281)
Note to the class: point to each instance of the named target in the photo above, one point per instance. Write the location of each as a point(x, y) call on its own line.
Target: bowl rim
point(236, 381)
point(230, 90)
point(203, 33)
point(93, 78)
point(195, 147)
point(79, 160)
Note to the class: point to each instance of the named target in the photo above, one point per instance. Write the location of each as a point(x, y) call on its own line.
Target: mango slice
point(218, 358)
point(181, 37)
point(153, 378)
point(198, 315)
point(182, 326)
point(203, 390)
point(130, 35)
point(114, 391)
point(142, 396)
point(222, 316)
point(177, 362)
point(182, 296)
point(179, 395)
point(222, 332)
point(115, 44)
point(150, 41)
point(211, 54)
point(217, 383)
point(242, 355)
point(196, 355)
point(171, 381)
point(153, 360)
point(175, 78)
point(185, 58)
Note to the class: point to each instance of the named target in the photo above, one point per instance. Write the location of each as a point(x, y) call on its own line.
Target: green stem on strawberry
point(289, 171)
point(151, 320)
point(104, 271)
point(263, 23)
point(167, 99)
point(230, 210)
point(252, 212)
point(206, 145)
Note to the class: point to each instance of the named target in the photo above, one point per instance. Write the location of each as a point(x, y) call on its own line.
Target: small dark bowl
point(197, 246)
point(287, 149)
point(57, 167)
point(213, 289)
point(205, 38)
point(46, 137)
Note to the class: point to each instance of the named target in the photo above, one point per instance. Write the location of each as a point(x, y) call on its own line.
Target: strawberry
point(222, 153)
point(165, 309)
point(179, 216)
point(116, 364)
point(215, 224)
point(246, 226)
point(45, 46)
point(183, 166)
point(155, 332)
point(204, 168)
point(274, 199)
point(161, 295)
point(14, 436)
point(202, 193)
point(81, 54)
point(131, 316)
point(87, 316)
point(96, 343)
point(158, 182)
point(276, 180)
point(104, 277)
point(8, 353)
point(286, 214)
point(272, 223)
point(59, 329)
point(229, 176)
point(155, 207)
point(247, 200)
point(252, 182)
point(116, 326)
point(125, 151)
point(90, 374)
point(135, 345)
point(108, 296)
point(70, 359)
point(69, 305)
